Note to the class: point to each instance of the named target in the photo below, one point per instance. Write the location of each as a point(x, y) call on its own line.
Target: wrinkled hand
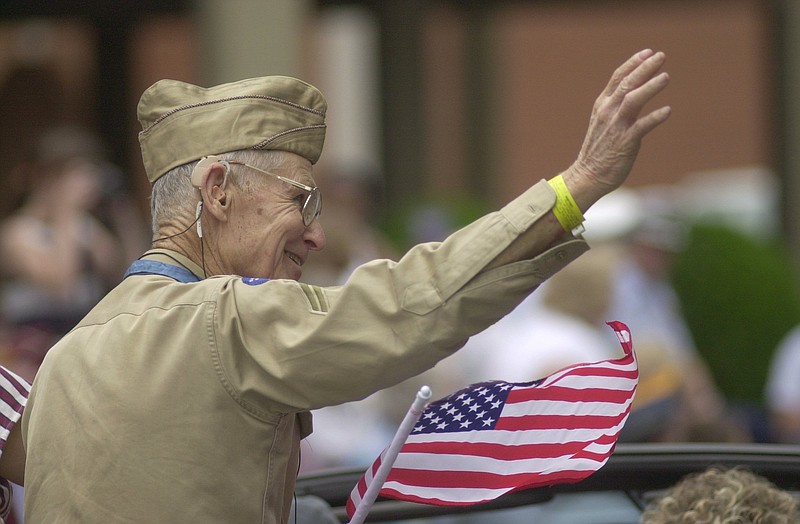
point(616, 128)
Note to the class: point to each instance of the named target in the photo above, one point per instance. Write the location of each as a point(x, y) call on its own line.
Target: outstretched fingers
point(638, 88)
point(622, 72)
point(638, 85)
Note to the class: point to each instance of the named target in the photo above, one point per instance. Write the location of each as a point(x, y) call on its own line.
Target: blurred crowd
point(65, 240)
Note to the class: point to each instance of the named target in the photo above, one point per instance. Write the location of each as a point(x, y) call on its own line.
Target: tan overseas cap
point(183, 122)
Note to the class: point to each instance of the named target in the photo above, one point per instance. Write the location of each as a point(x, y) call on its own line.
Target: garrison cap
point(182, 122)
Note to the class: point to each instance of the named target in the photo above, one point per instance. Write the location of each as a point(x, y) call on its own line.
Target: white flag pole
point(389, 456)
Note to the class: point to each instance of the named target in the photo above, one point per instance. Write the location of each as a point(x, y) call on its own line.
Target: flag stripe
point(454, 478)
point(555, 407)
point(624, 364)
point(445, 496)
point(558, 422)
point(487, 449)
point(465, 464)
point(538, 436)
point(566, 394)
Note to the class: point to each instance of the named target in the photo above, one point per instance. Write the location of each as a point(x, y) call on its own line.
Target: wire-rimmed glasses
point(312, 205)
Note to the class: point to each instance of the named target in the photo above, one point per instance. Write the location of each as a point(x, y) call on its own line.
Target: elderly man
point(183, 396)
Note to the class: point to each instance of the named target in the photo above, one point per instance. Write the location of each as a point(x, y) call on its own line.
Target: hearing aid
point(203, 166)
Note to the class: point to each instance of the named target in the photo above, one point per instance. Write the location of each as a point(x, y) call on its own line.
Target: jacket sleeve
point(284, 345)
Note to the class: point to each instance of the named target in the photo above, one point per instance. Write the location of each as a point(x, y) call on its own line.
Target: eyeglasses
point(312, 205)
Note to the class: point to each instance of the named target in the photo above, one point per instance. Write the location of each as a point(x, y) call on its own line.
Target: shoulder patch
point(252, 281)
point(316, 298)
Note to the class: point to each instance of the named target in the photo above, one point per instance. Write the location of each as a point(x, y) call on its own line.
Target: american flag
point(496, 437)
point(14, 392)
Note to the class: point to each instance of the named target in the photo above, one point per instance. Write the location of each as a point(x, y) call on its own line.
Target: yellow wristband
point(566, 210)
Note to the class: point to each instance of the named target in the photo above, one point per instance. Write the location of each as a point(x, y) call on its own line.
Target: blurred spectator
point(783, 389)
point(643, 297)
point(58, 256)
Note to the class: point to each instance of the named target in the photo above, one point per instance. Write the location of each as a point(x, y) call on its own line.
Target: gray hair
point(173, 194)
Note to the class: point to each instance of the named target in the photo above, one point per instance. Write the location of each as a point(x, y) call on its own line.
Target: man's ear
point(210, 176)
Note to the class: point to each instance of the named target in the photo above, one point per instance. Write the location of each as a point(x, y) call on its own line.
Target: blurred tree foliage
point(740, 297)
point(430, 218)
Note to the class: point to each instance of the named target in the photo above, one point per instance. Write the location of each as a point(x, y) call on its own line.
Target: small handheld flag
point(496, 437)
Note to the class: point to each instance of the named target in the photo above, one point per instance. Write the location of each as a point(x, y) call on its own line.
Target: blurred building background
point(440, 109)
point(442, 99)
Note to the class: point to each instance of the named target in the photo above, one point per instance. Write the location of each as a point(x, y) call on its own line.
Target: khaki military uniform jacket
point(186, 402)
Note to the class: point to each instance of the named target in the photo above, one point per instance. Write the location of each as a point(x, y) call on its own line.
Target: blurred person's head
point(583, 289)
point(655, 243)
point(723, 495)
point(646, 220)
point(68, 167)
point(658, 235)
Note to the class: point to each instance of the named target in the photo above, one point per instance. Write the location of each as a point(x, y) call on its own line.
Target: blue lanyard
point(152, 267)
